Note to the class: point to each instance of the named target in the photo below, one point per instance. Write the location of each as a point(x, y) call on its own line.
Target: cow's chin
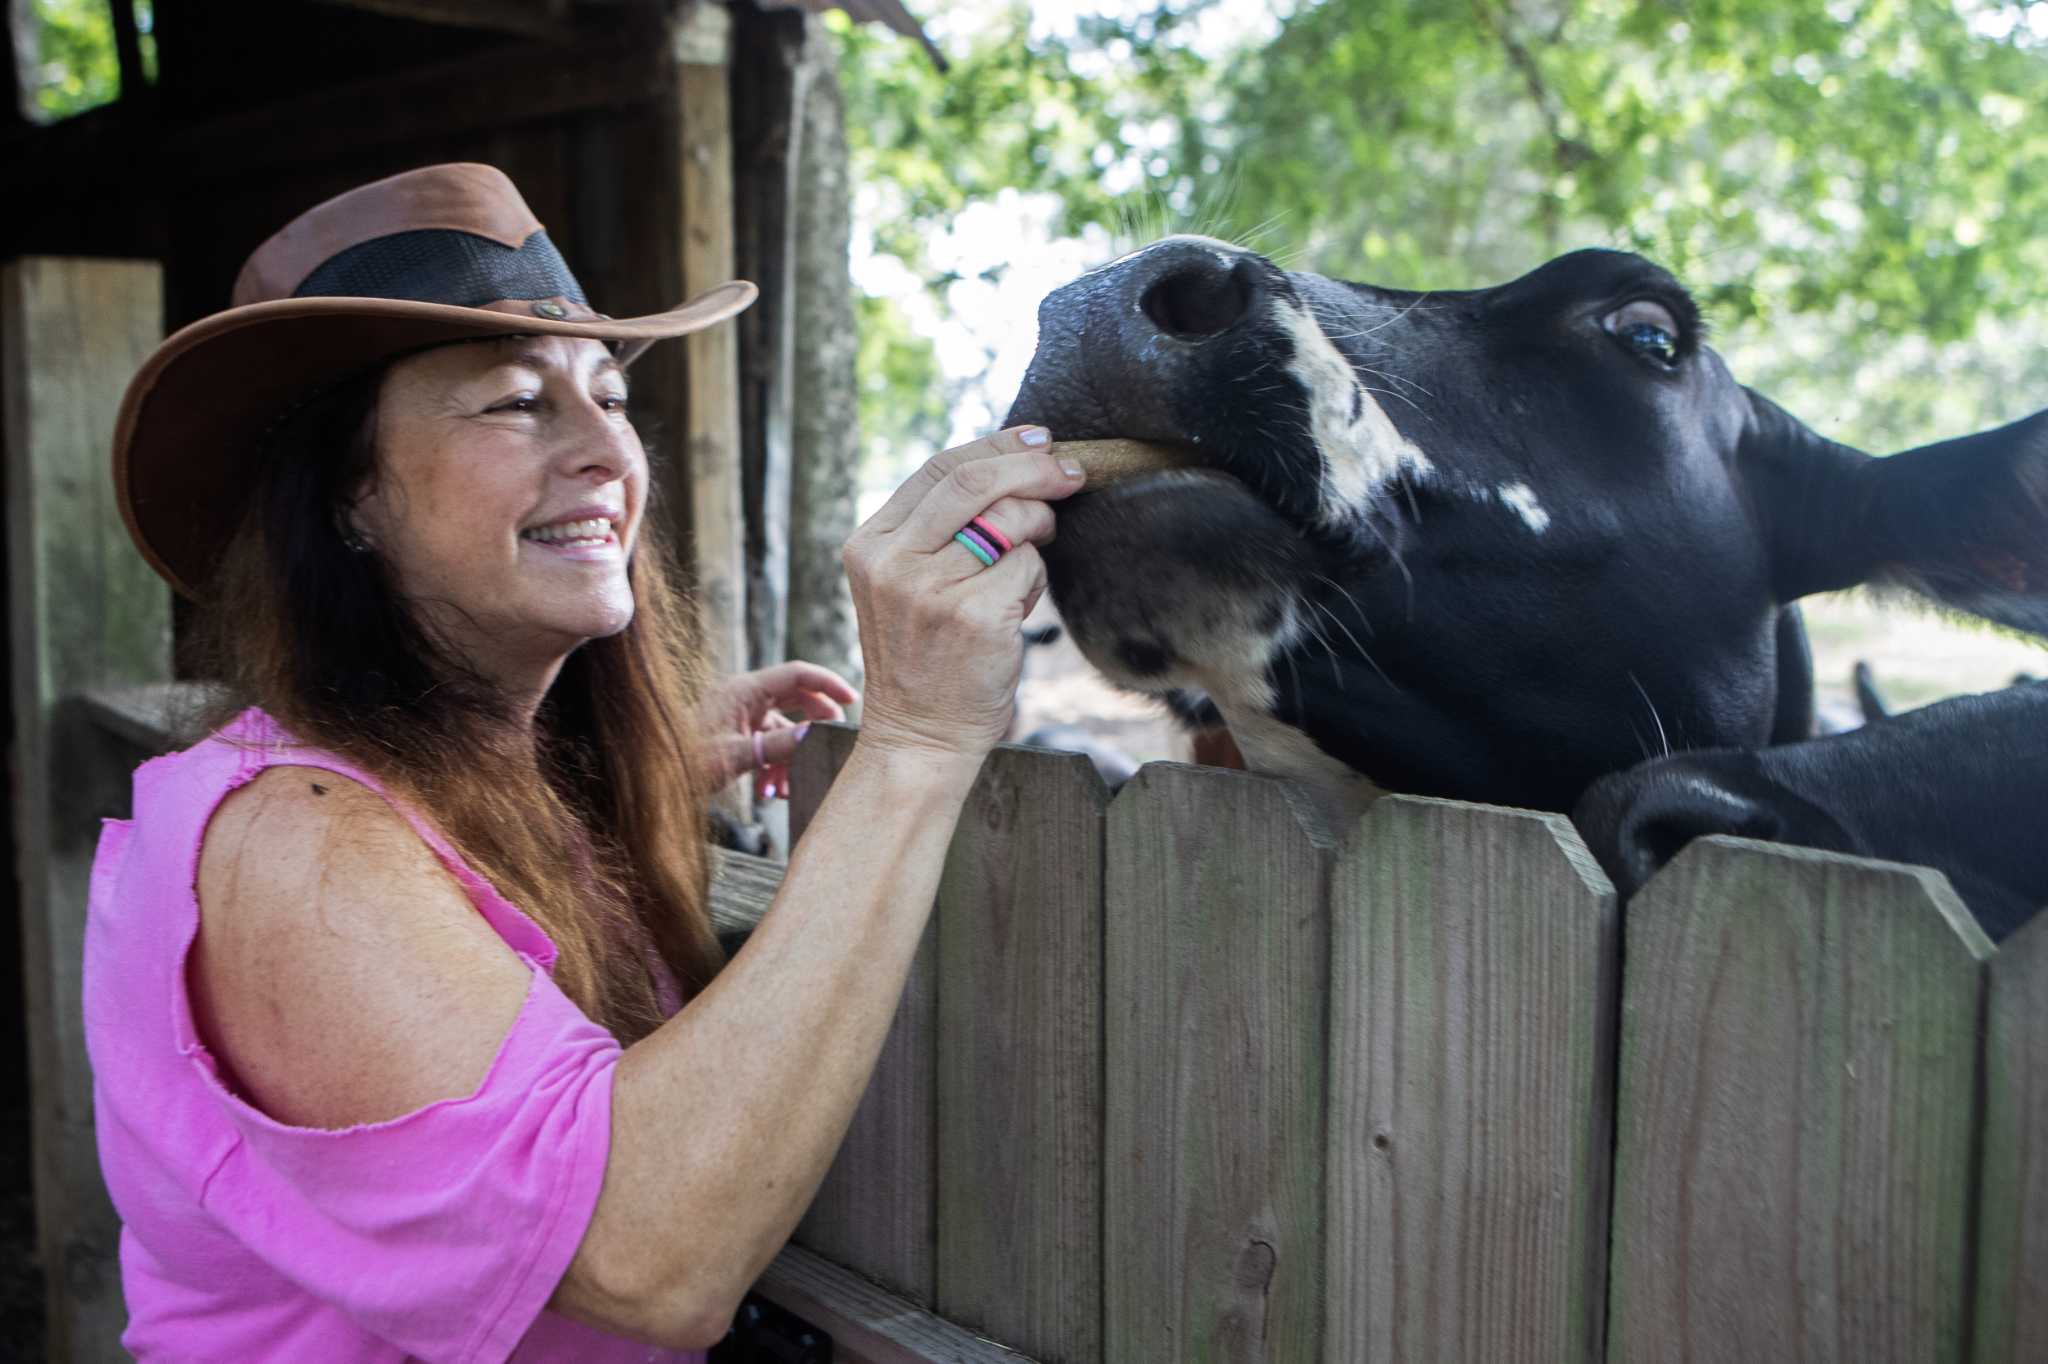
point(1179, 581)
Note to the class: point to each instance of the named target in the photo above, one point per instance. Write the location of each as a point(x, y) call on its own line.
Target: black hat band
point(442, 265)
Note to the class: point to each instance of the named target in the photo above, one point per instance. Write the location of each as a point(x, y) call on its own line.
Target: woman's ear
point(353, 518)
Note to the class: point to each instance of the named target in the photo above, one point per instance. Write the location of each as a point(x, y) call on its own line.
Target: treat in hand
point(1111, 461)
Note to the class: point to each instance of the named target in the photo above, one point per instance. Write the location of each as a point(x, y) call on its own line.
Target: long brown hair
point(595, 828)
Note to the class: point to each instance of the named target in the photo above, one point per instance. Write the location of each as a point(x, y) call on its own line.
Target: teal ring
point(987, 559)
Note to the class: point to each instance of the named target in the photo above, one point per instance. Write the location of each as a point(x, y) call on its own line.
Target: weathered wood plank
point(2012, 1207)
point(877, 1210)
point(1796, 1110)
point(1216, 969)
point(712, 416)
point(1474, 988)
point(1020, 1057)
point(770, 79)
point(155, 716)
point(867, 1325)
point(742, 888)
point(85, 611)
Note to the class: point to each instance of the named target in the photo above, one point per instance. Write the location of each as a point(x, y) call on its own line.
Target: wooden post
point(878, 1207)
point(824, 497)
point(1796, 1113)
point(769, 83)
point(1020, 1058)
point(86, 611)
point(1474, 988)
point(2012, 1200)
point(702, 49)
point(128, 51)
point(1216, 972)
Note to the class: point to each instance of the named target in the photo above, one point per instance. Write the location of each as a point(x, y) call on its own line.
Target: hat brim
point(186, 440)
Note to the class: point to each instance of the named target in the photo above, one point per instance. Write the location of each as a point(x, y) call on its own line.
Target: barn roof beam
point(550, 20)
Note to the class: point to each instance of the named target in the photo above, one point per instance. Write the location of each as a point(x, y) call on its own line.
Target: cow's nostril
point(1195, 303)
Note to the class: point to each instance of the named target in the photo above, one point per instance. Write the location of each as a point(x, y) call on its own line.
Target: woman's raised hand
point(939, 630)
point(745, 726)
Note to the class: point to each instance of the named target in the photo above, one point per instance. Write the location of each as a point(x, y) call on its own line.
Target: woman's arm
point(699, 1196)
point(700, 1193)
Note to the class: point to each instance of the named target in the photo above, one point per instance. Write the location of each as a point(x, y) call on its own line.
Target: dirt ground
point(1917, 655)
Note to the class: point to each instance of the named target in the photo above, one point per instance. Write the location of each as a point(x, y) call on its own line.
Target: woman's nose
point(598, 445)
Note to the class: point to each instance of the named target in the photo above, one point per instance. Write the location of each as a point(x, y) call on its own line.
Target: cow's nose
point(1194, 292)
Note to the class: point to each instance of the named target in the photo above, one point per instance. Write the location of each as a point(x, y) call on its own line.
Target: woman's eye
point(525, 402)
point(1645, 328)
point(614, 402)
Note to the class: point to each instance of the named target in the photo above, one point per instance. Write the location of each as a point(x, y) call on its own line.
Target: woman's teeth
point(597, 529)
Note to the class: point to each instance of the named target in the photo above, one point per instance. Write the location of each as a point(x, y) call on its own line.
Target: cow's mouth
point(1130, 468)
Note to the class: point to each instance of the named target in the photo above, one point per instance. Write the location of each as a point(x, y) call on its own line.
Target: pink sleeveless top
point(439, 1235)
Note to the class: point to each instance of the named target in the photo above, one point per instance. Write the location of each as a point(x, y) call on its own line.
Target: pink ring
point(1001, 540)
point(760, 758)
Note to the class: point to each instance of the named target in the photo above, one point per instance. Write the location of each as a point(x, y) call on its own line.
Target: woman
point(409, 1033)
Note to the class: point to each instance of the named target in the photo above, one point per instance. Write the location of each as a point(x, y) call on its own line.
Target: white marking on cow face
point(1359, 450)
point(1521, 500)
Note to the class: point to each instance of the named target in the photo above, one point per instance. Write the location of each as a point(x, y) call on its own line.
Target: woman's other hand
point(739, 709)
point(939, 631)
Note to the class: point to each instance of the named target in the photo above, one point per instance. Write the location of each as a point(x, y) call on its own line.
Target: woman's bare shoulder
point(340, 971)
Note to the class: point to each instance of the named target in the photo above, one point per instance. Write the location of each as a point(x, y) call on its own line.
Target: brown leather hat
point(444, 253)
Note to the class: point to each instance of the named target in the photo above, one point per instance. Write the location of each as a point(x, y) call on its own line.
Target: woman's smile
point(584, 536)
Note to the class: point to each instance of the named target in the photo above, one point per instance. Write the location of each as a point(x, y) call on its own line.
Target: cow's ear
point(1963, 521)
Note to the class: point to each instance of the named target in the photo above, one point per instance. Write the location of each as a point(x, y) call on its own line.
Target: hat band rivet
point(551, 310)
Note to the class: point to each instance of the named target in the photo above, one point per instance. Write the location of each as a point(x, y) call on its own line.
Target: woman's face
point(507, 499)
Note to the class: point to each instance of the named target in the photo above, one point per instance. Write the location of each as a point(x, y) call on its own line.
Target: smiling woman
point(410, 1036)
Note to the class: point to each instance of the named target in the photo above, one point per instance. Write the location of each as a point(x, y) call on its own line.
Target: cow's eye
point(1646, 328)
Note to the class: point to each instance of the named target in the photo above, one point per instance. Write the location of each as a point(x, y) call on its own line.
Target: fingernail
point(802, 729)
point(1072, 469)
point(1035, 435)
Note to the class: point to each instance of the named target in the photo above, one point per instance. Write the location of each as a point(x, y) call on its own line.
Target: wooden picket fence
point(1179, 1078)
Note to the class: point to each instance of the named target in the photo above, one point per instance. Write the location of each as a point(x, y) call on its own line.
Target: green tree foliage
point(74, 66)
point(1857, 189)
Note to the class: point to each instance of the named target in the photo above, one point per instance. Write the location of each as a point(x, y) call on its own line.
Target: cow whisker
point(1662, 738)
point(1346, 595)
point(1363, 652)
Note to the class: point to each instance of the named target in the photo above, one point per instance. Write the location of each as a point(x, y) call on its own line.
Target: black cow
point(1490, 544)
point(1961, 786)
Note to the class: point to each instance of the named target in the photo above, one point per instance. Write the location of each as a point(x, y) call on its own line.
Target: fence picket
point(876, 1210)
point(2012, 1208)
point(1216, 973)
point(1473, 997)
point(1020, 1058)
point(1795, 1110)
